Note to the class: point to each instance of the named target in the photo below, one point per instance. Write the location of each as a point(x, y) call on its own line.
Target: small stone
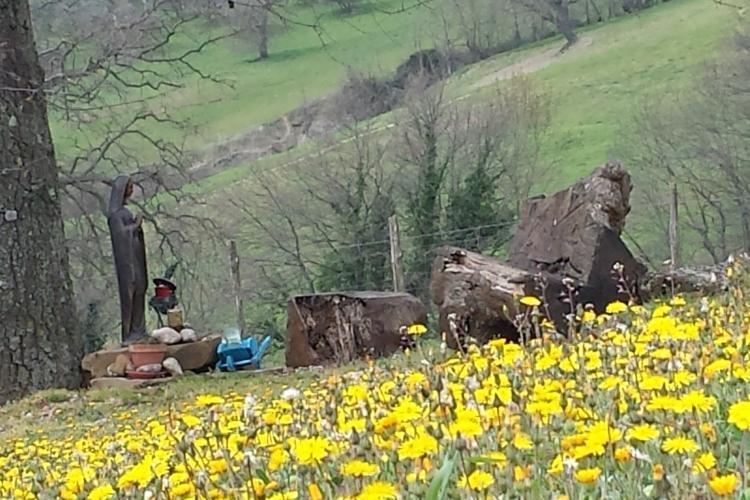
point(152, 368)
point(188, 335)
point(167, 335)
point(173, 367)
point(117, 369)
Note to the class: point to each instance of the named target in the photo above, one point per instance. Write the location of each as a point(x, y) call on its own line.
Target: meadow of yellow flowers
point(642, 402)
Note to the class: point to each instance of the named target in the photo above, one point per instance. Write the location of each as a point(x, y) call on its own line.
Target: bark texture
point(575, 232)
point(477, 296)
point(40, 343)
point(336, 328)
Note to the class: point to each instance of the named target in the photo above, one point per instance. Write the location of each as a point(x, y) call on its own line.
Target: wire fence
point(320, 265)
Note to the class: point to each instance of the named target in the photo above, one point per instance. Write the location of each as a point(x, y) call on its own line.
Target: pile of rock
point(171, 336)
point(123, 366)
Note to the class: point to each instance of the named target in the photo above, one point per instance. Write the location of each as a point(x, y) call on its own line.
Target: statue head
point(122, 190)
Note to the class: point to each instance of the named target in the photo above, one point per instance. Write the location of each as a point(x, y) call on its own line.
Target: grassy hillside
point(304, 64)
point(595, 89)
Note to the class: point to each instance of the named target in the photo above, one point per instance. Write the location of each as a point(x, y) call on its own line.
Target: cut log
point(576, 233)
point(336, 328)
point(705, 280)
point(477, 296)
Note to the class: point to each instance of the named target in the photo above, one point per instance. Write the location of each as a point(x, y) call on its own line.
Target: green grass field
point(594, 91)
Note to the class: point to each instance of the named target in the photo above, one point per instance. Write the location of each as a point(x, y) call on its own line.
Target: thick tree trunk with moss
point(40, 344)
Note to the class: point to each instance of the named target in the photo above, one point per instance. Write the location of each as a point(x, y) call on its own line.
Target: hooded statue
point(129, 251)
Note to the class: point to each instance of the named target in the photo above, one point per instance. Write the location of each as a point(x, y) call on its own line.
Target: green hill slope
point(596, 88)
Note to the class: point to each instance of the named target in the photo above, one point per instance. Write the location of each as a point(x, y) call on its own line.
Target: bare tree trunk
point(563, 22)
point(40, 345)
point(263, 34)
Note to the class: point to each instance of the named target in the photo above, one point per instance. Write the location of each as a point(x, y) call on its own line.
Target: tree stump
point(337, 328)
point(576, 233)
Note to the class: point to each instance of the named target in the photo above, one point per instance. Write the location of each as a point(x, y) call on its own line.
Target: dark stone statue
point(129, 251)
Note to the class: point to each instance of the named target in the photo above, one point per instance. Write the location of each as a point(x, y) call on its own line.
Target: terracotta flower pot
point(146, 354)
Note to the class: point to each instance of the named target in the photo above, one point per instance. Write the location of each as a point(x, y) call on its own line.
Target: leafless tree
point(700, 141)
point(311, 227)
point(555, 12)
point(108, 66)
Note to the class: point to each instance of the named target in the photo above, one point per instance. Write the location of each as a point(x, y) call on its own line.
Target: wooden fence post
point(234, 273)
point(674, 243)
point(396, 269)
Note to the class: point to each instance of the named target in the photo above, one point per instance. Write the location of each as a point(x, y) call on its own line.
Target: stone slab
point(192, 356)
point(126, 383)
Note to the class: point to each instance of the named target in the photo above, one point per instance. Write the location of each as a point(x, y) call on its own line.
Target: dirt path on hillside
point(532, 63)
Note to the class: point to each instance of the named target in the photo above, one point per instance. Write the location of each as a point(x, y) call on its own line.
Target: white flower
point(250, 403)
point(471, 383)
point(639, 455)
point(250, 458)
point(570, 464)
point(446, 398)
point(290, 394)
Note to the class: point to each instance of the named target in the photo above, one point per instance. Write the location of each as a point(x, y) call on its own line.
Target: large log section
point(340, 327)
point(564, 250)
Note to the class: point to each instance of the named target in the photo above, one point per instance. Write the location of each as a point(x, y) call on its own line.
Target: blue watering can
point(235, 353)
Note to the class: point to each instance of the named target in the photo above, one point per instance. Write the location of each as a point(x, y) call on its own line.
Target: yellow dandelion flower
point(284, 495)
point(642, 432)
point(588, 316)
point(416, 330)
point(359, 468)
point(616, 307)
point(698, 401)
point(716, 366)
point(521, 473)
point(379, 490)
point(530, 301)
point(523, 441)
point(723, 486)
point(310, 451)
point(622, 454)
point(588, 476)
point(207, 400)
point(679, 445)
point(103, 492)
point(477, 481)
point(182, 490)
point(704, 462)
point(739, 415)
point(315, 493)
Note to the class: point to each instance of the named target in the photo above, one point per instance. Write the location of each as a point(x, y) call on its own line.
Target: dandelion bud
point(201, 479)
point(461, 444)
